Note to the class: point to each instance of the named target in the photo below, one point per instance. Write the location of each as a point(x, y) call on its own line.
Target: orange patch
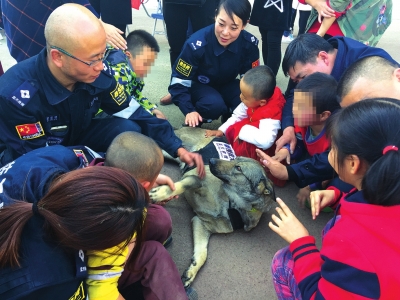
point(255, 64)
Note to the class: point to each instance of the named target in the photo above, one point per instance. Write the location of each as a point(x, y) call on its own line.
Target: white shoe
point(287, 39)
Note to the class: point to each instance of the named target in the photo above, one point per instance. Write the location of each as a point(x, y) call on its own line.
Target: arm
point(262, 137)
point(238, 114)
point(325, 25)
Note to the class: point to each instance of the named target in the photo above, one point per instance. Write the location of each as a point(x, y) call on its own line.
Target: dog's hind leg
point(201, 237)
point(163, 192)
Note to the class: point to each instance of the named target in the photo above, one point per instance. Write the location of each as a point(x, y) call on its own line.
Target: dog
point(234, 194)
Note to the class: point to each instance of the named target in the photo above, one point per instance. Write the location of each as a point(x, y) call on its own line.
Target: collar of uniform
point(55, 92)
point(219, 49)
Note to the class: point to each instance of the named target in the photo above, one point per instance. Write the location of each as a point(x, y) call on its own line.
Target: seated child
point(255, 123)
point(359, 257)
point(129, 67)
point(315, 100)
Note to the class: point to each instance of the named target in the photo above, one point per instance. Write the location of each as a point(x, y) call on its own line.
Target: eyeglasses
point(90, 64)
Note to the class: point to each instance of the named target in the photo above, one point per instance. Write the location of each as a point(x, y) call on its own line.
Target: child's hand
point(287, 226)
point(214, 133)
point(320, 200)
point(165, 180)
point(303, 195)
point(282, 155)
point(275, 167)
point(159, 114)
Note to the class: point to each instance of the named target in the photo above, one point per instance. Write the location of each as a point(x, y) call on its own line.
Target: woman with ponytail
point(360, 253)
point(43, 246)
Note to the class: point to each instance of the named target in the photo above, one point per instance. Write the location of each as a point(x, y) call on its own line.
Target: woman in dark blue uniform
point(204, 82)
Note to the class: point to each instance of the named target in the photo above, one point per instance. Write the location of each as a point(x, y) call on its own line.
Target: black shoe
point(191, 293)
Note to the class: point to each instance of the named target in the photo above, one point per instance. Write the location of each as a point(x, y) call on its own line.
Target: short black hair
point(240, 8)
point(323, 88)
point(138, 39)
point(304, 49)
point(372, 68)
point(262, 81)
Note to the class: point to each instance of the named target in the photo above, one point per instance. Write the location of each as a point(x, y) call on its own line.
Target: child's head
point(142, 51)
point(365, 138)
point(137, 154)
point(257, 86)
point(315, 99)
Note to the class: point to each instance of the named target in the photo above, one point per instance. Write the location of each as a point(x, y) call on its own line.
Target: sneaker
point(166, 100)
point(191, 293)
point(287, 39)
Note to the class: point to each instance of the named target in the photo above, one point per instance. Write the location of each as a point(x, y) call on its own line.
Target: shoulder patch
point(30, 131)
point(23, 94)
point(183, 67)
point(251, 38)
point(197, 44)
point(118, 94)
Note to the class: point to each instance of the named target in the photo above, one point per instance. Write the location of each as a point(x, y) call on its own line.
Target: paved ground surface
point(238, 265)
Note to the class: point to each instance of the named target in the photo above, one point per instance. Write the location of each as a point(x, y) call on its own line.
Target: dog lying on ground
point(234, 194)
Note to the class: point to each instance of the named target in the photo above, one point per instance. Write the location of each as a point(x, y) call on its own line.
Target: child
point(254, 124)
point(327, 22)
point(315, 100)
point(359, 256)
point(129, 67)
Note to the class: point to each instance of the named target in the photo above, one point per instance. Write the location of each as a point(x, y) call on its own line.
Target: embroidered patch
point(203, 79)
point(225, 151)
point(82, 157)
point(79, 294)
point(184, 68)
point(23, 94)
point(52, 118)
point(118, 94)
point(53, 140)
point(255, 63)
point(30, 131)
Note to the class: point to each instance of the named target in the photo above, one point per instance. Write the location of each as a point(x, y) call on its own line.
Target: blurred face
point(226, 29)
point(304, 112)
point(142, 62)
point(246, 96)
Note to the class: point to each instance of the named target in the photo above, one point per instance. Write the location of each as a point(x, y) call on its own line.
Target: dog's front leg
point(164, 192)
point(201, 237)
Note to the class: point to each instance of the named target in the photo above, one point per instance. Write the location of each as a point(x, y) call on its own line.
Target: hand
point(322, 8)
point(282, 154)
point(319, 200)
point(192, 159)
point(275, 167)
point(288, 137)
point(287, 226)
point(114, 37)
point(303, 195)
point(192, 119)
point(165, 180)
point(217, 133)
point(158, 114)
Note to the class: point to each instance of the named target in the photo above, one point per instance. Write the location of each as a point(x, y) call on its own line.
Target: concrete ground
point(238, 265)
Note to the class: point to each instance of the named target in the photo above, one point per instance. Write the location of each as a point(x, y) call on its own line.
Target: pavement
point(238, 264)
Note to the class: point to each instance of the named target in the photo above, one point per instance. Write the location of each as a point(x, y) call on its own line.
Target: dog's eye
point(238, 168)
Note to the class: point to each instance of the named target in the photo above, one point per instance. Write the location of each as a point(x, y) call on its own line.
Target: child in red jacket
point(255, 123)
point(359, 256)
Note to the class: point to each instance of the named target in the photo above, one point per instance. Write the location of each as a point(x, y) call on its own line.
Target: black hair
point(138, 39)
point(262, 81)
point(364, 129)
point(304, 49)
point(240, 8)
point(372, 68)
point(323, 88)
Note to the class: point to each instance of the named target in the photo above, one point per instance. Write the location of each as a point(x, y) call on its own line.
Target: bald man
point(370, 77)
point(51, 98)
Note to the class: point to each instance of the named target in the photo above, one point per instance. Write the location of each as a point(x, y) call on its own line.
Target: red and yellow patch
point(30, 131)
point(255, 63)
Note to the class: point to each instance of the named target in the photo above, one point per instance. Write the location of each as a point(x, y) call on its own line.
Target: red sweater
point(316, 146)
point(359, 257)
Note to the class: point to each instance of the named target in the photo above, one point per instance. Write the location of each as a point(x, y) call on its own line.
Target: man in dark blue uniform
point(204, 84)
point(51, 98)
point(307, 54)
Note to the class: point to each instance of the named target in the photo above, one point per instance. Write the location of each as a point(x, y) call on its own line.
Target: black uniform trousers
point(212, 102)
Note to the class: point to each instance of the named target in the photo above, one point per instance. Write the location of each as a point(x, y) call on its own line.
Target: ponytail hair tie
point(389, 148)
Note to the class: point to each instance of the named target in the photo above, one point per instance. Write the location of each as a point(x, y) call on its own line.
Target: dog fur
point(240, 184)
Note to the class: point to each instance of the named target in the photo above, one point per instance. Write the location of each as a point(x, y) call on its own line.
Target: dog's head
point(247, 186)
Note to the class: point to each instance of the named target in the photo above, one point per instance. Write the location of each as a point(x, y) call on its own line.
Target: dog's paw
point(160, 193)
point(188, 277)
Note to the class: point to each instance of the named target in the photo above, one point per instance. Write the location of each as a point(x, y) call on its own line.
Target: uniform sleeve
point(104, 269)
point(287, 113)
point(252, 56)
point(183, 71)
point(238, 114)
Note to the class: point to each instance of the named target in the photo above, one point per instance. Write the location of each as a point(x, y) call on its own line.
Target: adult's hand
point(319, 200)
point(322, 8)
point(275, 167)
point(303, 195)
point(192, 159)
point(281, 155)
point(114, 37)
point(217, 133)
point(288, 137)
point(287, 226)
point(193, 119)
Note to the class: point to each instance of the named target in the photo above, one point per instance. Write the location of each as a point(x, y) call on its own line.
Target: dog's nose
point(212, 161)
